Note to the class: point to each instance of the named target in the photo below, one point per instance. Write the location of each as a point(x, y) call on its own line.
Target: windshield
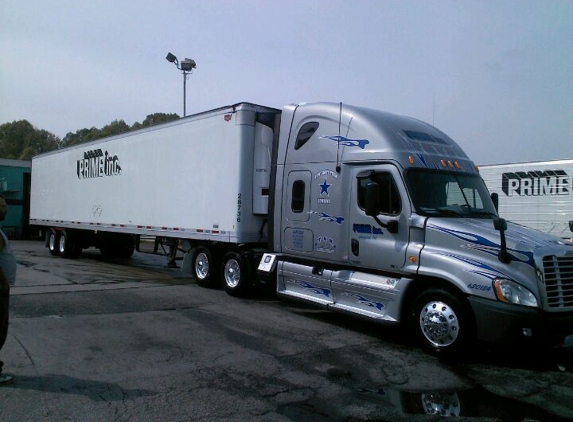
point(438, 193)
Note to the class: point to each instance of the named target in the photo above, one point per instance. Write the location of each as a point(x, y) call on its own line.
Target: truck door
point(379, 241)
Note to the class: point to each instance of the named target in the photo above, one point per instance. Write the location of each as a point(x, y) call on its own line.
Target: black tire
point(106, 249)
point(235, 274)
point(125, 246)
point(442, 322)
point(66, 245)
point(53, 242)
point(203, 267)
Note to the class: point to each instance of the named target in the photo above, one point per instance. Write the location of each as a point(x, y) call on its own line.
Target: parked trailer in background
point(535, 194)
point(352, 209)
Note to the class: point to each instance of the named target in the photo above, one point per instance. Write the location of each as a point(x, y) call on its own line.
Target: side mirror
point(495, 200)
point(372, 200)
point(500, 224)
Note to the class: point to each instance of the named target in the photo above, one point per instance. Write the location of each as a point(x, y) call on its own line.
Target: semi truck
point(534, 194)
point(352, 209)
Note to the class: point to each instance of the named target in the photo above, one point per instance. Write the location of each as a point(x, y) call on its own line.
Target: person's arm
point(4, 283)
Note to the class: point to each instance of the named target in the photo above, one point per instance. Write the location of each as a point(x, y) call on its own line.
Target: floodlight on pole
point(186, 68)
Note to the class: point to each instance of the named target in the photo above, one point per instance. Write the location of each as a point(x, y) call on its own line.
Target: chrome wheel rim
point(62, 244)
point(442, 404)
point(232, 273)
point(52, 242)
point(439, 324)
point(202, 266)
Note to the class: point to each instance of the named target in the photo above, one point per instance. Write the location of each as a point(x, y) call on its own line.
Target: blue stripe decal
point(481, 268)
point(484, 245)
point(362, 300)
point(341, 140)
point(313, 289)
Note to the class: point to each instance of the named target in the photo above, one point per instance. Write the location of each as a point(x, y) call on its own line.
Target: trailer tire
point(125, 246)
point(235, 274)
point(203, 267)
point(442, 322)
point(105, 248)
point(66, 245)
point(53, 242)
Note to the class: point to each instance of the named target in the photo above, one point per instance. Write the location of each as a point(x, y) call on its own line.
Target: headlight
point(511, 292)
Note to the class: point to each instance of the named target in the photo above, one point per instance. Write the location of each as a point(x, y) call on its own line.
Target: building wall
point(15, 187)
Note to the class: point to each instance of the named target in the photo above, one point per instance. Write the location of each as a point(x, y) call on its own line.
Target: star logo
point(324, 188)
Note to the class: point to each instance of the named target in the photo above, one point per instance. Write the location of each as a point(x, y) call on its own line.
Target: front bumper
point(505, 324)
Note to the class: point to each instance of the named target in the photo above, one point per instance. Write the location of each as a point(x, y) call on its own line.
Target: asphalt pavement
point(132, 340)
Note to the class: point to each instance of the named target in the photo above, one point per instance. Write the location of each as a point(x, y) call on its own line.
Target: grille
point(559, 281)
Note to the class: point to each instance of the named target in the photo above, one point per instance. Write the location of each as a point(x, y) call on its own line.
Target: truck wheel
point(443, 322)
point(106, 249)
point(125, 246)
point(53, 242)
point(203, 267)
point(235, 274)
point(66, 245)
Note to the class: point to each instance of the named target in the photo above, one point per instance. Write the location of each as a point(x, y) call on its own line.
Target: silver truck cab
point(386, 217)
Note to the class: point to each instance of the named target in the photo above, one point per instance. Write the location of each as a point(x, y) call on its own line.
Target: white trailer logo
point(98, 164)
point(536, 183)
point(534, 194)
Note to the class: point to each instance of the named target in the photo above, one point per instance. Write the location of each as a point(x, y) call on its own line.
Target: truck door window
point(298, 191)
point(305, 133)
point(390, 202)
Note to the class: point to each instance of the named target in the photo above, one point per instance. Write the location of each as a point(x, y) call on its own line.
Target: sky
point(495, 75)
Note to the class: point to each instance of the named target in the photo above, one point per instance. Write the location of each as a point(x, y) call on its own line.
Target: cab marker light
point(413, 259)
point(443, 163)
point(411, 160)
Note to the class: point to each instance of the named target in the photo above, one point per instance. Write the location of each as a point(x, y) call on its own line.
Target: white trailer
point(205, 177)
point(538, 194)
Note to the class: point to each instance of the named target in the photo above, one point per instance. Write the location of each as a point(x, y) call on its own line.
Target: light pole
point(186, 68)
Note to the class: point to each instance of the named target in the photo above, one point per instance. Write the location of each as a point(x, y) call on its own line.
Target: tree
point(79, 137)
point(87, 135)
point(155, 119)
point(20, 140)
point(116, 127)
